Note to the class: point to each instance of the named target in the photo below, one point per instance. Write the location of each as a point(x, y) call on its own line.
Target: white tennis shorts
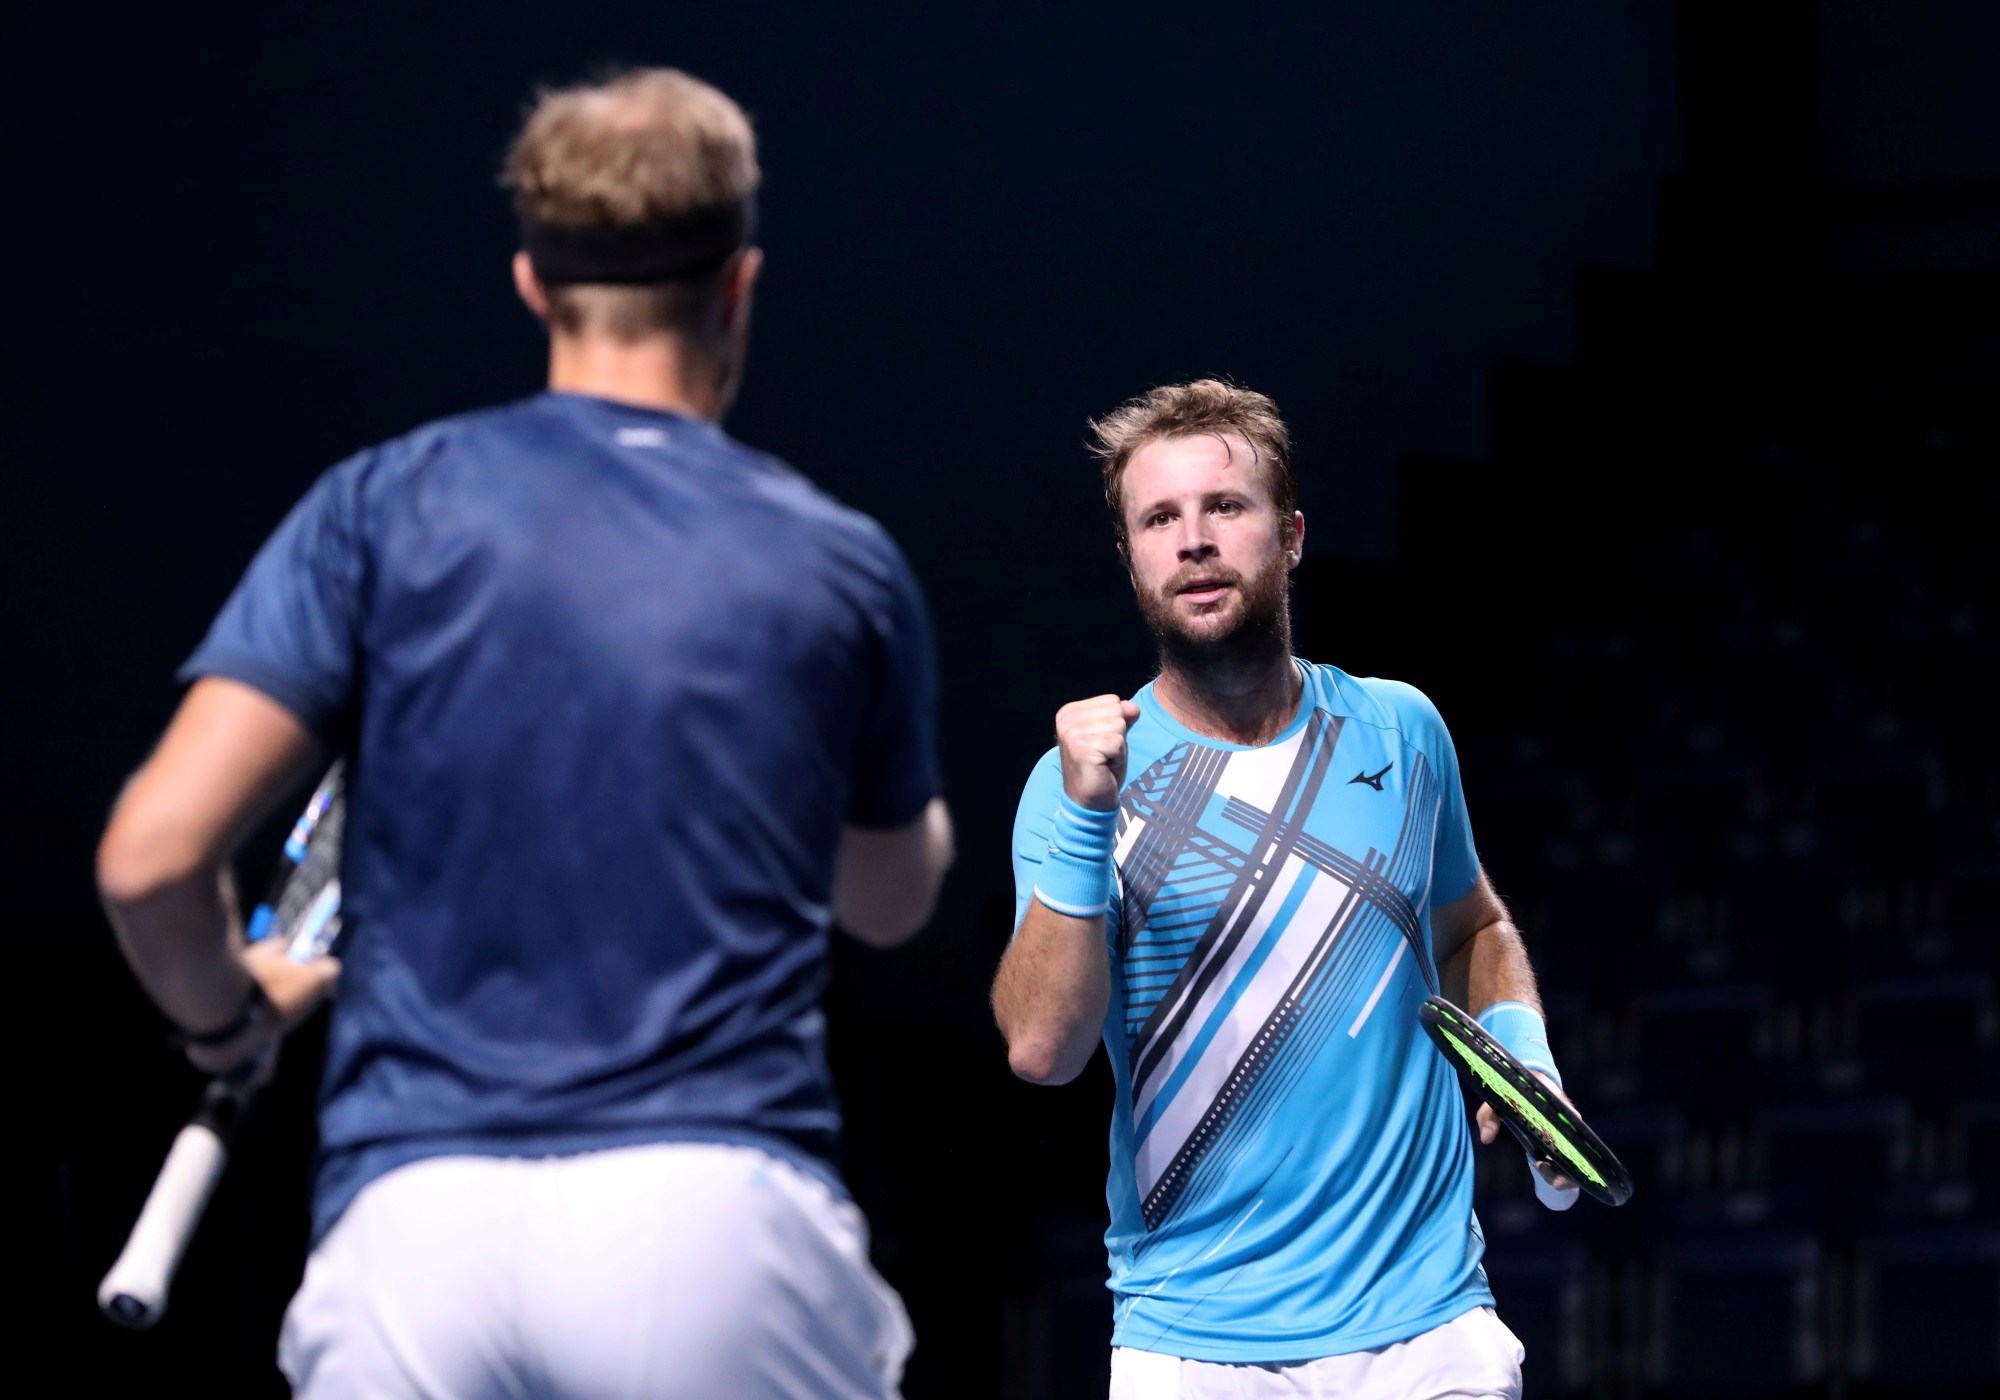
point(1472, 1357)
point(686, 1271)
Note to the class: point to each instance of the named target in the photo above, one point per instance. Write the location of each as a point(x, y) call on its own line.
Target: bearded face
point(1209, 613)
point(1210, 556)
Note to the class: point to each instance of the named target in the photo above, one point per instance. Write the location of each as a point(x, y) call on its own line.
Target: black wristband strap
point(256, 1006)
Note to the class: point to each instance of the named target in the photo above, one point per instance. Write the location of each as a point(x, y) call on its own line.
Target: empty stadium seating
point(1715, 663)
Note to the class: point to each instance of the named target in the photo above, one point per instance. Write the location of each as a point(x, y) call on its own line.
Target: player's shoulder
point(379, 476)
point(1039, 798)
point(852, 535)
point(474, 427)
point(541, 423)
point(1047, 770)
point(1382, 702)
point(396, 458)
point(854, 528)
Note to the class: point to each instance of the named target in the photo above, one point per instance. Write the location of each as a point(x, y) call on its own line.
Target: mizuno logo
point(1374, 782)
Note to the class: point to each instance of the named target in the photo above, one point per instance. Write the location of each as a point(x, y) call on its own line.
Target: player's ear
point(739, 280)
point(1295, 537)
point(530, 289)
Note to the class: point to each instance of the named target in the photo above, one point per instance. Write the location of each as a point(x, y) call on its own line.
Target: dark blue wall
point(266, 237)
point(249, 240)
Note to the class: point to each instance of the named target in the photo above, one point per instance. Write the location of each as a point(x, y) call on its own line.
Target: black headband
point(633, 254)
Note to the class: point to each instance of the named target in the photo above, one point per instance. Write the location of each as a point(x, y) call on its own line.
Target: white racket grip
point(1549, 1195)
point(134, 1292)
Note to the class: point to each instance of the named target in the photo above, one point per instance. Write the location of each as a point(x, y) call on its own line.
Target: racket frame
point(1550, 1128)
point(135, 1289)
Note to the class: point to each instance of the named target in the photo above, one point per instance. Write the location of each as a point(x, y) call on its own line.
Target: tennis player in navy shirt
point(634, 715)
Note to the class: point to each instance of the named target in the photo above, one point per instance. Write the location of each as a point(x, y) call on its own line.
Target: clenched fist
point(1090, 735)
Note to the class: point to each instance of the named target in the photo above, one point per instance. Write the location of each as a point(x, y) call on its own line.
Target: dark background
point(1640, 358)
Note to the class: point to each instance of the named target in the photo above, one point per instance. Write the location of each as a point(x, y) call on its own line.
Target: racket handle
point(1545, 1193)
point(1548, 1195)
point(134, 1291)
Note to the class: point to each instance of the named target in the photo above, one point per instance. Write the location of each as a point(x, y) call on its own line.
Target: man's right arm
point(1054, 984)
point(1051, 994)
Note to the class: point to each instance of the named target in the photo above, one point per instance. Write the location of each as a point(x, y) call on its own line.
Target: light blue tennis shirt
point(1291, 1170)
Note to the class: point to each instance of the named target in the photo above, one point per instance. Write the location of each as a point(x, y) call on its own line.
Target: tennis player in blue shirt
point(1244, 880)
point(634, 714)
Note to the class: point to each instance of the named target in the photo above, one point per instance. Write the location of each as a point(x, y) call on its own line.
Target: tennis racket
point(1549, 1128)
point(302, 908)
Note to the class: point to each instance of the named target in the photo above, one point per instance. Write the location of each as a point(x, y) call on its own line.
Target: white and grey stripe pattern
point(1372, 946)
point(1162, 840)
point(1223, 1035)
point(1246, 911)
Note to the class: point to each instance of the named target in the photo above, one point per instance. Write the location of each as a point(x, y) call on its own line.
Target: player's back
point(620, 682)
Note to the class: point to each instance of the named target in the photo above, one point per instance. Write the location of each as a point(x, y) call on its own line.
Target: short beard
point(1262, 634)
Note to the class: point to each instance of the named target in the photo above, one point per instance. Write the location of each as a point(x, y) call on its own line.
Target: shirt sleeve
point(896, 774)
point(1034, 827)
point(292, 628)
point(1454, 859)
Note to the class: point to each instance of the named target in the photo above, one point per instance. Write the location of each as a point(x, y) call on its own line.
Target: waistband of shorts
point(340, 1176)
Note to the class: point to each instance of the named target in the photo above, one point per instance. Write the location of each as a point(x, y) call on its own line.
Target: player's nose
point(1195, 544)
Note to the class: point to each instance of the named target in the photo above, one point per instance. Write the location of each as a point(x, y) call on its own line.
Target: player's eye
point(1228, 507)
point(1159, 518)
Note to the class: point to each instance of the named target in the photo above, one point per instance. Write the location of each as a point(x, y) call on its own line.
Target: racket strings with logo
point(303, 909)
point(1550, 1129)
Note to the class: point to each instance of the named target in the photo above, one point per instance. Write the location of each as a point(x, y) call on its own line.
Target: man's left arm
point(1480, 957)
point(228, 757)
point(1483, 967)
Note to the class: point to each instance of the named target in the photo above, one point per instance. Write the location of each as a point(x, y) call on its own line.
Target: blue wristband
point(1521, 1029)
point(1076, 877)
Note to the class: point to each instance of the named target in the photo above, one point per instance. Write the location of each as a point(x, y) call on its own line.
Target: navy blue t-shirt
point(612, 684)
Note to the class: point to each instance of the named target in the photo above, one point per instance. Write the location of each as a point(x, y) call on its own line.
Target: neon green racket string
point(1491, 1078)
